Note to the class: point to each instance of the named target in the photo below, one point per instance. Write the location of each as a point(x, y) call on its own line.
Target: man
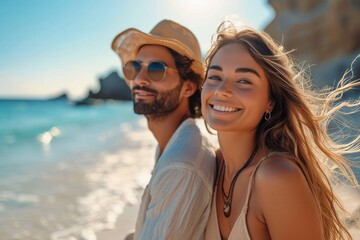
point(164, 71)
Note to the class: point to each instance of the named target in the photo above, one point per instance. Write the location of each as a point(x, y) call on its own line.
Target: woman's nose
point(224, 89)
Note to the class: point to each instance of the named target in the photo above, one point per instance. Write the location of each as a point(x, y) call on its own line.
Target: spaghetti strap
point(253, 174)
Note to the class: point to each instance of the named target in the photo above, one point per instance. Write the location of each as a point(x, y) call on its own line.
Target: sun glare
point(196, 8)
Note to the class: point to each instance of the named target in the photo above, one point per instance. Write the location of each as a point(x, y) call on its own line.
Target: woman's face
point(235, 93)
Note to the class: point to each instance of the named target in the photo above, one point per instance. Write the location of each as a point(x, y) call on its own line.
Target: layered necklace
point(227, 198)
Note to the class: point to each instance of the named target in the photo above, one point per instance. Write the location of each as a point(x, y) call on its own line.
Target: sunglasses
point(156, 70)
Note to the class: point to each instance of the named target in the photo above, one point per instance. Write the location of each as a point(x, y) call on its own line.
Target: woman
point(276, 159)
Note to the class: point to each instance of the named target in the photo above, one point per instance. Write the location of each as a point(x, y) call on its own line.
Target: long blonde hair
point(300, 121)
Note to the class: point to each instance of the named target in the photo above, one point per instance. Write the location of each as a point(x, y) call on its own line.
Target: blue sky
point(48, 47)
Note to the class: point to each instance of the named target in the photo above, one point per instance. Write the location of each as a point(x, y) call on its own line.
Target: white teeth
point(225, 109)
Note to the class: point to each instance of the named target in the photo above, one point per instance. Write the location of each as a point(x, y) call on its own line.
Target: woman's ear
point(270, 106)
point(189, 88)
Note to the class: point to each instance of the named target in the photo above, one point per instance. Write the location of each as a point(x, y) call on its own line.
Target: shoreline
point(125, 224)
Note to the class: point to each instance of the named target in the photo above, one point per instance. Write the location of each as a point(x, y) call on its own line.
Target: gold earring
point(267, 116)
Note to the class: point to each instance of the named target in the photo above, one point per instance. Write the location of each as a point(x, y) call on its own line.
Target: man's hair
point(183, 65)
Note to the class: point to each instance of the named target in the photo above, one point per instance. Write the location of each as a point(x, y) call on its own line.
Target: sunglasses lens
point(131, 69)
point(156, 71)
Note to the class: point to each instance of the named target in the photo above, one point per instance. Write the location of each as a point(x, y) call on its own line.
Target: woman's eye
point(214, 77)
point(244, 81)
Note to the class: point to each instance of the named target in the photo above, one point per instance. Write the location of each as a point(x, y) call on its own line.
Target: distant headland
point(112, 87)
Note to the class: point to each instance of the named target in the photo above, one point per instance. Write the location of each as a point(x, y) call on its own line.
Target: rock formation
point(111, 87)
point(61, 96)
point(324, 33)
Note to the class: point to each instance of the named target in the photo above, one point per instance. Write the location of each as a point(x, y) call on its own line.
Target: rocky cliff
point(111, 87)
point(324, 33)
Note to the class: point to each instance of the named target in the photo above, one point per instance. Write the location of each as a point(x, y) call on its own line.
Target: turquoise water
point(66, 172)
point(36, 132)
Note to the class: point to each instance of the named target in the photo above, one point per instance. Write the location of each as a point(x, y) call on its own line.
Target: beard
point(163, 104)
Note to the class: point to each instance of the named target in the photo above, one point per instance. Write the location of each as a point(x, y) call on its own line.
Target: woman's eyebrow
point(238, 70)
point(215, 67)
point(247, 70)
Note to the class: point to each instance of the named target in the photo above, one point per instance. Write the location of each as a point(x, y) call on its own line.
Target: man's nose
point(142, 77)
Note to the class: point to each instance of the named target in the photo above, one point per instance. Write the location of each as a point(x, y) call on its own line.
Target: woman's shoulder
point(278, 163)
point(284, 198)
point(280, 172)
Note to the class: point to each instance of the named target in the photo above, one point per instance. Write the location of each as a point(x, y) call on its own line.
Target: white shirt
point(176, 203)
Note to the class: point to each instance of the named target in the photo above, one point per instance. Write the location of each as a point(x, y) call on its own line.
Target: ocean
point(67, 172)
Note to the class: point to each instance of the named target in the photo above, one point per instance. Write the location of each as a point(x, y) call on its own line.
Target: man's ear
point(189, 88)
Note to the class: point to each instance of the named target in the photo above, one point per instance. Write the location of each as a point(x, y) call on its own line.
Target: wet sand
point(124, 225)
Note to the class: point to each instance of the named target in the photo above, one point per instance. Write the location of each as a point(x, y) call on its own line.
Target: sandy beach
point(124, 225)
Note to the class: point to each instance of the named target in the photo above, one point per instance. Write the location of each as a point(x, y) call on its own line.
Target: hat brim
point(127, 44)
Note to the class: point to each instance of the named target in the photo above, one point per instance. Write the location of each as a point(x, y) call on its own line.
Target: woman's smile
point(222, 108)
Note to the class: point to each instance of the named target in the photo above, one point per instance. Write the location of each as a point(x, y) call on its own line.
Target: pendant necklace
point(227, 198)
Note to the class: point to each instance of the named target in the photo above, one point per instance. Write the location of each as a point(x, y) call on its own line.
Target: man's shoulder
point(190, 135)
point(190, 143)
point(189, 150)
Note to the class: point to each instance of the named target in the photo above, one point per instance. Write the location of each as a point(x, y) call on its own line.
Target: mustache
point(144, 88)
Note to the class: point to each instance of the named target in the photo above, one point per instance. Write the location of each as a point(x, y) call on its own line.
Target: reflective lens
point(131, 69)
point(155, 70)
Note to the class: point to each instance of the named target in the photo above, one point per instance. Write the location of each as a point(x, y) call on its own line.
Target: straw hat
point(166, 33)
